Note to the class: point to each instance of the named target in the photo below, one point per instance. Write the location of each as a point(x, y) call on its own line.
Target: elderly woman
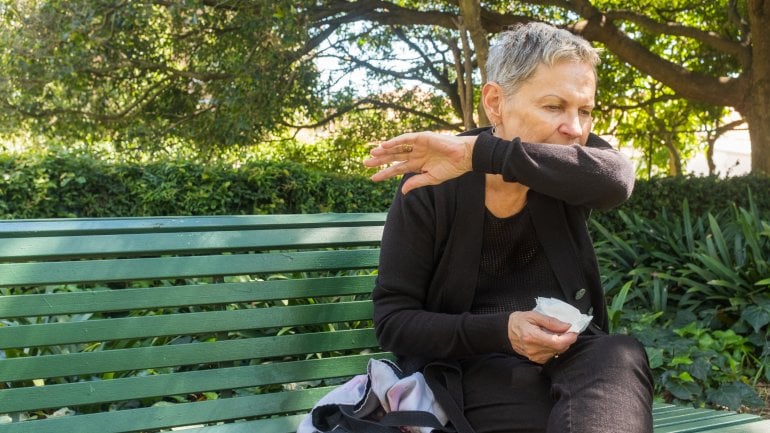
point(488, 221)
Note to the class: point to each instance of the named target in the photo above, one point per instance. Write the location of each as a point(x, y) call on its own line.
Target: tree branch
point(371, 104)
point(149, 94)
point(598, 27)
point(735, 49)
point(440, 76)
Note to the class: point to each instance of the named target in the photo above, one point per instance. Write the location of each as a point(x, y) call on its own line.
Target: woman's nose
point(571, 126)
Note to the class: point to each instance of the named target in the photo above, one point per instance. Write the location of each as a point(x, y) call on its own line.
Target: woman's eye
point(553, 107)
point(585, 113)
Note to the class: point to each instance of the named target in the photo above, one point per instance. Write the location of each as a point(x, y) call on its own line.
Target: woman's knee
point(623, 353)
point(623, 350)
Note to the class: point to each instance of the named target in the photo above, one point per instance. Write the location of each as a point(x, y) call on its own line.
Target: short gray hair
point(520, 50)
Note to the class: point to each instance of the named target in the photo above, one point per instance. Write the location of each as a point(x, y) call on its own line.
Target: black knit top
point(514, 269)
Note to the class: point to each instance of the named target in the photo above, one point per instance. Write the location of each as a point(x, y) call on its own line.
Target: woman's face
point(553, 106)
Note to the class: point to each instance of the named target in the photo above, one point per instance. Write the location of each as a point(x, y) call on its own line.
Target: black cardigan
point(431, 245)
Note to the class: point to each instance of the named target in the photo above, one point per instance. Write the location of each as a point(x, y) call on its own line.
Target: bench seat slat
point(93, 271)
point(85, 363)
point(60, 247)
point(49, 334)
point(753, 427)
point(699, 425)
point(674, 414)
point(166, 416)
point(703, 414)
point(285, 424)
point(80, 226)
point(83, 393)
point(172, 296)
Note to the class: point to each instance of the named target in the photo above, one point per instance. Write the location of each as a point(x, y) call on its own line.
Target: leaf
point(700, 369)
point(727, 395)
point(655, 356)
point(733, 395)
point(683, 391)
point(756, 316)
point(721, 244)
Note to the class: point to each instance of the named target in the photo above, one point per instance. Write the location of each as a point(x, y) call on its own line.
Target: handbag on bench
point(381, 401)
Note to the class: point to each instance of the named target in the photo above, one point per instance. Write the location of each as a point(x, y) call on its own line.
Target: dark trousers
point(602, 384)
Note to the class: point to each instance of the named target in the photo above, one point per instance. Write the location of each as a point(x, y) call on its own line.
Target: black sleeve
point(595, 175)
point(406, 315)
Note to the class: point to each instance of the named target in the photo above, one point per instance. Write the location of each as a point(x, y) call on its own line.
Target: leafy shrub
point(694, 291)
point(63, 185)
point(657, 197)
point(59, 183)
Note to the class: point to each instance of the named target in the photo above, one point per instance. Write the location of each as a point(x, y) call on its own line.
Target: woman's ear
point(492, 98)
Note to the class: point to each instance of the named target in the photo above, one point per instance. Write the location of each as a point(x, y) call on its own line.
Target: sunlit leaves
point(136, 72)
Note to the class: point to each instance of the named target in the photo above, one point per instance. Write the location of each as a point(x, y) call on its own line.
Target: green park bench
point(207, 324)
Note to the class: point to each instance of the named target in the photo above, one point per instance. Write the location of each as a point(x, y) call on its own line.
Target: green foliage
point(659, 197)
point(58, 183)
point(696, 364)
point(693, 289)
point(148, 74)
point(64, 185)
point(212, 75)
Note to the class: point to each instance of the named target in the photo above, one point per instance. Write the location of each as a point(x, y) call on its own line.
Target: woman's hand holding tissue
point(538, 337)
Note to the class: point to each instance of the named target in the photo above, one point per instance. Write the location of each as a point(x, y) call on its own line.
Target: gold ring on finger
point(406, 148)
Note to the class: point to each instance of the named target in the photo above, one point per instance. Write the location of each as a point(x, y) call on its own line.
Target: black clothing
point(431, 245)
point(514, 269)
point(438, 279)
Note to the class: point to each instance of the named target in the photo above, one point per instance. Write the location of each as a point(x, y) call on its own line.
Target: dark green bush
point(61, 184)
point(704, 194)
point(694, 290)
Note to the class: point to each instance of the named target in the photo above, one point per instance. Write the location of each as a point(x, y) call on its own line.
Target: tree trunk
point(757, 103)
point(674, 158)
point(758, 120)
point(465, 76)
point(471, 15)
point(711, 141)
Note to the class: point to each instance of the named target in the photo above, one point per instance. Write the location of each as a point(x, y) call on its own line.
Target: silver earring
point(494, 128)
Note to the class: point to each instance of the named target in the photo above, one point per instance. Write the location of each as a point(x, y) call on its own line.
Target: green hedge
point(703, 193)
point(37, 185)
point(34, 186)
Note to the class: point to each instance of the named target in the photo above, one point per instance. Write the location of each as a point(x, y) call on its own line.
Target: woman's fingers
point(538, 337)
point(435, 157)
point(397, 169)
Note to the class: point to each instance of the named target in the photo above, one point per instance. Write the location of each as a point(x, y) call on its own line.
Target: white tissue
point(563, 311)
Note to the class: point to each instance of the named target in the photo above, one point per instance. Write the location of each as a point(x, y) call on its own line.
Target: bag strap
point(445, 380)
point(345, 418)
point(414, 418)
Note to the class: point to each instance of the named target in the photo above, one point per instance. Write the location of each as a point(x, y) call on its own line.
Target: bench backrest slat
point(94, 271)
point(62, 247)
point(119, 360)
point(189, 295)
point(49, 334)
point(158, 417)
point(79, 226)
point(129, 388)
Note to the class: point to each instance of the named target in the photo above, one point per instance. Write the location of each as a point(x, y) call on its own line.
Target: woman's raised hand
point(435, 157)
